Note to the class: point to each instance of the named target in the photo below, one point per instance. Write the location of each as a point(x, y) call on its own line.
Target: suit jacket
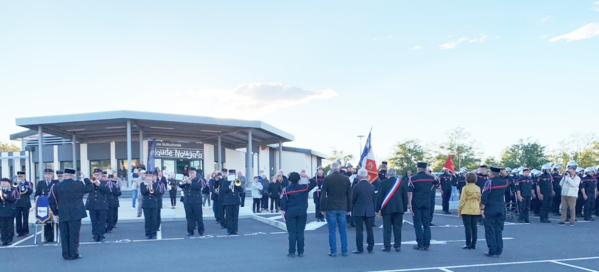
point(8, 207)
point(335, 194)
point(25, 201)
point(363, 199)
point(150, 200)
point(66, 199)
point(42, 188)
point(96, 200)
point(398, 202)
point(113, 196)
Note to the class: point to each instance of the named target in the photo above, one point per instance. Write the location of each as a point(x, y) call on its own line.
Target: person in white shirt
point(569, 184)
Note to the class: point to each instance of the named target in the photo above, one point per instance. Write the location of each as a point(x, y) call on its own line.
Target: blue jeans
point(134, 197)
point(334, 219)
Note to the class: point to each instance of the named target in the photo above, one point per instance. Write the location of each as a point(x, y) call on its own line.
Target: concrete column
point(141, 146)
point(16, 162)
point(56, 162)
point(74, 142)
point(5, 167)
point(280, 156)
point(129, 167)
point(83, 159)
point(249, 156)
point(113, 161)
point(220, 154)
point(40, 145)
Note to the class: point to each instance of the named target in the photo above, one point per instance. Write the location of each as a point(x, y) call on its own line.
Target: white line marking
point(445, 269)
point(435, 242)
point(275, 217)
point(574, 266)
point(314, 225)
point(159, 234)
point(489, 264)
point(280, 232)
point(25, 239)
point(406, 221)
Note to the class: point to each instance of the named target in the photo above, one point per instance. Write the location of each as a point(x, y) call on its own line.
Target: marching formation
point(344, 198)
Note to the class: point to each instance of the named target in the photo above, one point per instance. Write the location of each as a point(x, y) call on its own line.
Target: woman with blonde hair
point(469, 209)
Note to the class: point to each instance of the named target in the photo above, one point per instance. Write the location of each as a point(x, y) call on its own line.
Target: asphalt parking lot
point(262, 247)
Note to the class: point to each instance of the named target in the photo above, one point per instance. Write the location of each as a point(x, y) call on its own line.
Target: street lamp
point(360, 147)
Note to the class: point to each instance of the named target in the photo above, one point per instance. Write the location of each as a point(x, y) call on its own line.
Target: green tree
point(8, 147)
point(461, 147)
point(406, 155)
point(525, 153)
point(335, 155)
point(491, 161)
point(582, 148)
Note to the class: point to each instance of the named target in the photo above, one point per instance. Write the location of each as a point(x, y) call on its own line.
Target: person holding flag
point(447, 181)
point(391, 204)
point(367, 160)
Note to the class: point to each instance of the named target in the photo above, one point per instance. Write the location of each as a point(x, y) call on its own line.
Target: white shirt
point(570, 185)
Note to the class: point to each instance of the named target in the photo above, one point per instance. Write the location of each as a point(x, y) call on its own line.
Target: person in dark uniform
point(433, 194)
point(557, 190)
point(524, 186)
point(589, 191)
point(161, 186)
point(363, 211)
point(461, 180)
point(8, 198)
point(151, 194)
point(420, 189)
point(43, 189)
point(97, 205)
point(446, 180)
point(66, 202)
point(493, 211)
point(112, 197)
point(25, 189)
point(545, 192)
point(192, 187)
point(230, 194)
point(597, 198)
point(391, 204)
point(319, 180)
point(294, 207)
point(214, 192)
point(274, 192)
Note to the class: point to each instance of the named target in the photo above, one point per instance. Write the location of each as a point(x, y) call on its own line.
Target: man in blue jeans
point(335, 201)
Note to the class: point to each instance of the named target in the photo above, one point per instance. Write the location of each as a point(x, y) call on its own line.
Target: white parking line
point(574, 266)
point(159, 234)
point(445, 269)
point(496, 264)
point(25, 239)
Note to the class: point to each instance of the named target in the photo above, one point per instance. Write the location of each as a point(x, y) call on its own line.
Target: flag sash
point(391, 193)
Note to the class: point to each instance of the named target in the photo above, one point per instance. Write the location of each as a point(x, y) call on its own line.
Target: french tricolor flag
point(367, 160)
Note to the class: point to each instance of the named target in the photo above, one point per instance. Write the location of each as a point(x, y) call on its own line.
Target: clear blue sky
point(325, 71)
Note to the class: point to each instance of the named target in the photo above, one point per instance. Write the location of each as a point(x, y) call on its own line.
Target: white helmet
point(507, 169)
point(546, 167)
point(557, 166)
point(579, 169)
point(572, 164)
point(590, 169)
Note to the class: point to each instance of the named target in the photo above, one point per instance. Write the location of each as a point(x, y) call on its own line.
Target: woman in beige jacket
point(469, 210)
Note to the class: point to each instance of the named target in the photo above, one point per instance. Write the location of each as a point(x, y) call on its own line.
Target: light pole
point(360, 147)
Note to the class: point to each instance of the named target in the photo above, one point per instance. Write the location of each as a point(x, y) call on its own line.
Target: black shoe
point(432, 224)
point(235, 233)
point(490, 255)
point(291, 255)
point(465, 247)
point(416, 247)
point(561, 223)
point(76, 257)
point(370, 251)
point(386, 250)
point(147, 237)
point(344, 254)
point(332, 255)
point(300, 255)
point(473, 247)
point(446, 212)
point(357, 252)
point(397, 249)
point(201, 234)
point(4, 243)
point(190, 234)
point(425, 248)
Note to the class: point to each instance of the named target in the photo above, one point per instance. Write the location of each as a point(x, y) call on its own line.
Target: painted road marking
point(574, 266)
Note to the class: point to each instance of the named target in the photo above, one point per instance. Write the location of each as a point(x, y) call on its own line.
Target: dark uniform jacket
point(398, 202)
point(294, 198)
point(150, 200)
point(481, 180)
point(214, 184)
point(25, 201)
point(588, 183)
point(66, 199)
point(114, 192)
point(525, 184)
point(545, 183)
point(8, 206)
point(556, 179)
point(363, 199)
point(44, 189)
point(494, 192)
point(335, 193)
point(193, 191)
point(446, 181)
point(275, 189)
point(96, 200)
point(230, 197)
point(421, 186)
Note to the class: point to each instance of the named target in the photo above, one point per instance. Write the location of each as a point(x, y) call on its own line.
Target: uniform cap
point(421, 165)
point(496, 168)
point(47, 170)
point(69, 171)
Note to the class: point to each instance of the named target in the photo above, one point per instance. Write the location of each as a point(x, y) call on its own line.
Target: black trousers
point(242, 197)
point(151, 221)
point(471, 228)
point(7, 229)
point(360, 221)
point(98, 219)
point(221, 214)
point(173, 196)
point(318, 213)
point(69, 235)
point(22, 219)
point(392, 223)
point(275, 202)
point(158, 218)
point(194, 216)
point(256, 205)
point(232, 214)
point(446, 195)
point(432, 208)
point(111, 217)
point(589, 206)
point(49, 232)
point(422, 226)
point(296, 224)
point(579, 203)
point(524, 208)
point(265, 202)
point(494, 220)
point(546, 206)
point(215, 208)
point(557, 199)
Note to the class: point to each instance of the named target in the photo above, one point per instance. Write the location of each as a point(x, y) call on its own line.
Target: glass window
point(49, 165)
point(103, 164)
point(69, 164)
point(134, 163)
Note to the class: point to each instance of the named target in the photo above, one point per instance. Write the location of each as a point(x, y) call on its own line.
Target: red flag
point(449, 165)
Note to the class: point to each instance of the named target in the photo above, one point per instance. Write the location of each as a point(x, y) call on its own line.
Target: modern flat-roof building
point(111, 140)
